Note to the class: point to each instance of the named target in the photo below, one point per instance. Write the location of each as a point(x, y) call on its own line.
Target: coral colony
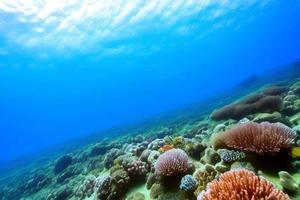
point(224, 156)
point(241, 184)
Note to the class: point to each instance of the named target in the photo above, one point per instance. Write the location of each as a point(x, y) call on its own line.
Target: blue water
point(66, 73)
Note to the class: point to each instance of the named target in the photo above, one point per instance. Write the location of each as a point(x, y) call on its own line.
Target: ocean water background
point(67, 71)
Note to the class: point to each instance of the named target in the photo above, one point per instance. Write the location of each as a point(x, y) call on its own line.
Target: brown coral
point(241, 184)
point(275, 90)
point(260, 138)
point(251, 105)
point(204, 176)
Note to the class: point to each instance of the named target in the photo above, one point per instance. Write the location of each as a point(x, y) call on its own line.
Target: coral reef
point(241, 184)
point(36, 183)
point(269, 117)
point(136, 168)
point(259, 138)
point(110, 156)
point(153, 156)
point(145, 154)
point(98, 149)
point(67, 173)
point(204, 176)
point(222, 167)
point(156, 144)
point(231, 155)
point(178, 142)
point(288, 182)
point(86, 189)
point(253, 104)
point(62, 163)
point(210, 157)
point(61, 193)
point(184, 159)
point(172, 162)
point(103, 187)
point(274, 90)
point(188, 183)
point(195, 149)
point(93, 164)
point(120, 181)
point(242, 165)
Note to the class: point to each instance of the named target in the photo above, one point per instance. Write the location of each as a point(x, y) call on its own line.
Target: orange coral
point(166, 147)
point(241, 185)
point(259, 138)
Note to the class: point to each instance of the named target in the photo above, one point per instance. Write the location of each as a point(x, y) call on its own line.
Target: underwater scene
point(150, 100)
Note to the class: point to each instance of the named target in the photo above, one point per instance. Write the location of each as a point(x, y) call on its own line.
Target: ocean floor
point(249, 147)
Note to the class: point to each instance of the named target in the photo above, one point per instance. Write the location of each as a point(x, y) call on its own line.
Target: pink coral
point(138, 168)
point(259, 138)
point(172, 162)
point(241, 184)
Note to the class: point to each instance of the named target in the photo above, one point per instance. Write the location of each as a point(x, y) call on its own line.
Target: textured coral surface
point(172, 162)
point(241, 185)
point(259, 138)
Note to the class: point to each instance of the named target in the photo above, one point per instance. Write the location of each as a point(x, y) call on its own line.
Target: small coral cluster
point(231, 155)
point(137, 167)
point(203, 176)
point(188, 183)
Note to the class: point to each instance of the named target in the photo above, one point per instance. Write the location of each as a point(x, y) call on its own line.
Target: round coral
point(188, 183)
point(259, 138)
point(241, 184)
point(172, 162)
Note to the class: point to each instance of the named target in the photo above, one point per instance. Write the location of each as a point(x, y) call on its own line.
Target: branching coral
point(203, 176)
point(259, 138)
point(241, 184)
point(172, 162)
